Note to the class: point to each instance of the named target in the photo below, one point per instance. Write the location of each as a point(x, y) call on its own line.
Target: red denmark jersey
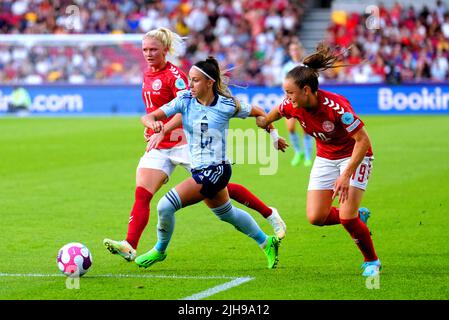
point(332, 124)
point(159, 88)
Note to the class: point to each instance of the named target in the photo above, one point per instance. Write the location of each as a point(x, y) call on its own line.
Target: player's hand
point(341, 188)
point(154, 141)
point(280, 144)
point(146, 135)
point(156, 126)
point(261, 122)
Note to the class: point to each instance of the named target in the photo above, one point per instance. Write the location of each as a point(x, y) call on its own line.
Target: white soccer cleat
point(123, 248)
point(277, 223)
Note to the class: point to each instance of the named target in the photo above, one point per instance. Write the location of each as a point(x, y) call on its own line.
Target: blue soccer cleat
point(364, 214)
point(371, 268)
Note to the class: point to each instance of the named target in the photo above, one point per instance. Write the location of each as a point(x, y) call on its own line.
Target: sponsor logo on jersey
point(347, 118)
point(328, 126)
point(157, 84)
point(180, 84)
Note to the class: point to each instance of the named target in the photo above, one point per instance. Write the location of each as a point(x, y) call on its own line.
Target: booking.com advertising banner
point(377, 99)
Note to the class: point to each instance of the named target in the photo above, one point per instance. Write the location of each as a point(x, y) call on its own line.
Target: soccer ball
point(74, 259)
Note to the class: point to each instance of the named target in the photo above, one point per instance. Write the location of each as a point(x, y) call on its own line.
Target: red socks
point(242, 195)
point(139, 216)
point(361, 236)
point(333, 217)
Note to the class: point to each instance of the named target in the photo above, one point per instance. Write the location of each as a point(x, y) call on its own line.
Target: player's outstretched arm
point(264, 121)
point(153, 120)
point(278, 142)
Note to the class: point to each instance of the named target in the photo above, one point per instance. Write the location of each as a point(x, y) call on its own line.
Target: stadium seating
point(406, 44)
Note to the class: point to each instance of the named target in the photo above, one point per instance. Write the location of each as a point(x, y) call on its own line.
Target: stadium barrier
point(422, 98)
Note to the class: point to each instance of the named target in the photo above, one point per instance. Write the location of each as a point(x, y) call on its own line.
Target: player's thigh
point(154, 169)
point(189, 192)
point(180, 156)
point(150, 179)
point(319, 203)
point(220, 199)
point(350, 208)
point(323, 175)
point(291, 124)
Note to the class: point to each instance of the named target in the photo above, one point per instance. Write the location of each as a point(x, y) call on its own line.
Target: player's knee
point(316, 219)
point(224, 212)
point(168, 204)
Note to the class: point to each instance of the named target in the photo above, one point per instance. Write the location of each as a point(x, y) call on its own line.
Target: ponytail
point(211, 67)
point(322, 59)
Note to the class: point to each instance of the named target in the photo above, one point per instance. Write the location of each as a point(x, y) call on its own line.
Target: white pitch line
point(118, 276)
point(198, 296)
point(222, 287)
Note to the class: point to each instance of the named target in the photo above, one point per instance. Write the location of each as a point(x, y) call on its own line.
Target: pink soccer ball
point(74, 259)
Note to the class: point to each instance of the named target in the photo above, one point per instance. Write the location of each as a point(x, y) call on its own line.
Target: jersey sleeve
point(179, 83)
point(348, 118)
point(174, 106)
point(285, 108)
point(244, 111)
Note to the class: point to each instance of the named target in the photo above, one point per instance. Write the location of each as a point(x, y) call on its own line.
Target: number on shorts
point(361, 173)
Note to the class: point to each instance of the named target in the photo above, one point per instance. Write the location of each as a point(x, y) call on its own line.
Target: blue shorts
point(214, 178)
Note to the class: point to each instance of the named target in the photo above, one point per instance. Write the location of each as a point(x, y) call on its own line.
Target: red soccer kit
point(332, 124)
point(159, 88)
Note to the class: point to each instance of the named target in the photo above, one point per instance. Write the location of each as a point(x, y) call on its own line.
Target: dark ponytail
point(212, 68)
point(322, 59)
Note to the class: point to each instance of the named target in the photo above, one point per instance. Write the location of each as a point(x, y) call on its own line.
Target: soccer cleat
point(307, 163)
point(271, 251)
point(364, 215)
point(151, 257)
point(123, 248)
point(371, 268)
point(277, 223)
point(297, 158)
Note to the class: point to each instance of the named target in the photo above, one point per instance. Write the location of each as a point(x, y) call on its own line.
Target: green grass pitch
point(72, 180)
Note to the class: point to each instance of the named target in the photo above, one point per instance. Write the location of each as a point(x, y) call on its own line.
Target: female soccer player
point(206, 110)
point(162, 83)
point(344, 154)
point(295, 51)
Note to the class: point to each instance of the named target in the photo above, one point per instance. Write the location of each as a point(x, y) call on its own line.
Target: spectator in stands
point(402, 49)
point(439, 68)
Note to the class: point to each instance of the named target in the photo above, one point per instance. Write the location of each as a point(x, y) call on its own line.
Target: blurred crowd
point(404, 44)
point(249, 36)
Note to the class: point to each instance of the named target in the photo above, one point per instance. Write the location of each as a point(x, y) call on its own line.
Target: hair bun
point(212, 60)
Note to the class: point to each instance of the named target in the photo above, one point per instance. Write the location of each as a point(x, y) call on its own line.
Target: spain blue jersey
point(206, 126)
